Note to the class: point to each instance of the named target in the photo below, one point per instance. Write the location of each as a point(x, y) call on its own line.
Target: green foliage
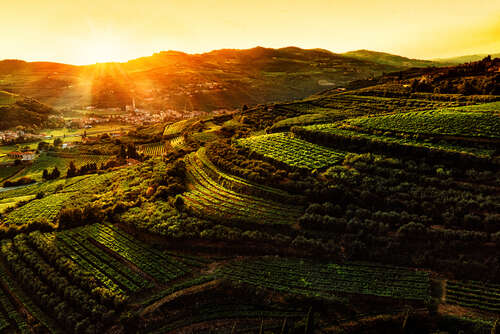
point(22, 181)
point(327, 279)
point(17, 110)
point(292, 151)
point(153, 149)
point(446, 122)
point(206, 197)
point(474, 294)
point(175, 129)
point(357, 139)
point(44, 211)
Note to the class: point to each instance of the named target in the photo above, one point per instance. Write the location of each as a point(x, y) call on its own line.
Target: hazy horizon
point(103, 31)
point(200, 53)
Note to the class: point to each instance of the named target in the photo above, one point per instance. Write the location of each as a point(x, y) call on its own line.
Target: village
point(99, 116)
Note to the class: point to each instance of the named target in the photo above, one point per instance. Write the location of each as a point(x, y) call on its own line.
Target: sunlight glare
point(102, 49)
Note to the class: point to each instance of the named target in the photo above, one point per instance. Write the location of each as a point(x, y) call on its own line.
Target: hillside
point(465, 59)
point(18, 110)
point(371, 210)
point(480, 77)
point(214, 80)
point(390, 59)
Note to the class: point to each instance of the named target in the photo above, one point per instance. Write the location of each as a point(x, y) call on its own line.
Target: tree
point(45, 174)
point(123, 152)
point(131, 151)
point(55, 173)
point(42, 146)
point(58, 142)
point(71, 170)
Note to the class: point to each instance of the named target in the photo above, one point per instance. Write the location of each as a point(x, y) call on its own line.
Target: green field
point(46, 208)
point(314, 116)
point(153, 149)
point(175, 129)
point(94, 130)
point(326, 280)
point(360, 104)
point(61, 161)
point(337, 130)
point(47, 187)
point(8, 171)
point(294, 152)
point(440, 122)
point(10, 202)
point(474, 294)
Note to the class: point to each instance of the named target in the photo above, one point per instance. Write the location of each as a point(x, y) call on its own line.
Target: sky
point(90, 31)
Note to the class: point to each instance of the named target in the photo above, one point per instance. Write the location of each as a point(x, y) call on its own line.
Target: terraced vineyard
point(11, 313)
point(228, 311)
point(239, 184)
point(87, 269)
point(12, 201)
point(474, 294)
point(157, 266)
point(47, 187)
point(18, 319)
point(326, 280)
point(47, 161)
point(334, 132)
point(295, 152)
point(440, 122)
point(314, 116)
point(175, 129)
point(81, 160)
point(46, 208)
point(50, 289)
point(90, 183)
point(206, 197)
point(376, 104)
point(153, 149)
point(177, 142)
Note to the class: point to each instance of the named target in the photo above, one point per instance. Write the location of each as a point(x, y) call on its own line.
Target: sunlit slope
point(214, 80)
point(19, 110)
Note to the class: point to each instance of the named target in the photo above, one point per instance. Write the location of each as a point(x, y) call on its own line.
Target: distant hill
point(390, 59)
point(17, 110)
point(473, 78)
point(466, 59)
point(219, 79)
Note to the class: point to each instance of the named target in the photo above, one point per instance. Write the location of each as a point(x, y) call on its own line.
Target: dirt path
point(188, 291)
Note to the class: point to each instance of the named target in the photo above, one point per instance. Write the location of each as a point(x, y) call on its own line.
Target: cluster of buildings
point(87, 122)
point(140, 117)
point(17, 136)
point(23, 156)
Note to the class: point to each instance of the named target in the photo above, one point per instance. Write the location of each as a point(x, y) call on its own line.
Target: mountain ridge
point(219, 79)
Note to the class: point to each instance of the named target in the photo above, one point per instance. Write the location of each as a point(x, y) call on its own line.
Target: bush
point(19, 182)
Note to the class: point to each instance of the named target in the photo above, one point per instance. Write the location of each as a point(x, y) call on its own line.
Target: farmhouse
point(24, 156)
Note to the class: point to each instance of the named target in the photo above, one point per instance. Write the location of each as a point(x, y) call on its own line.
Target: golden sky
point(89, 31)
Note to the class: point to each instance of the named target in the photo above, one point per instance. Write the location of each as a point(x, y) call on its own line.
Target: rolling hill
point(390, 59)
point(18, 110)
point(465, 59)
point(219, 79)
